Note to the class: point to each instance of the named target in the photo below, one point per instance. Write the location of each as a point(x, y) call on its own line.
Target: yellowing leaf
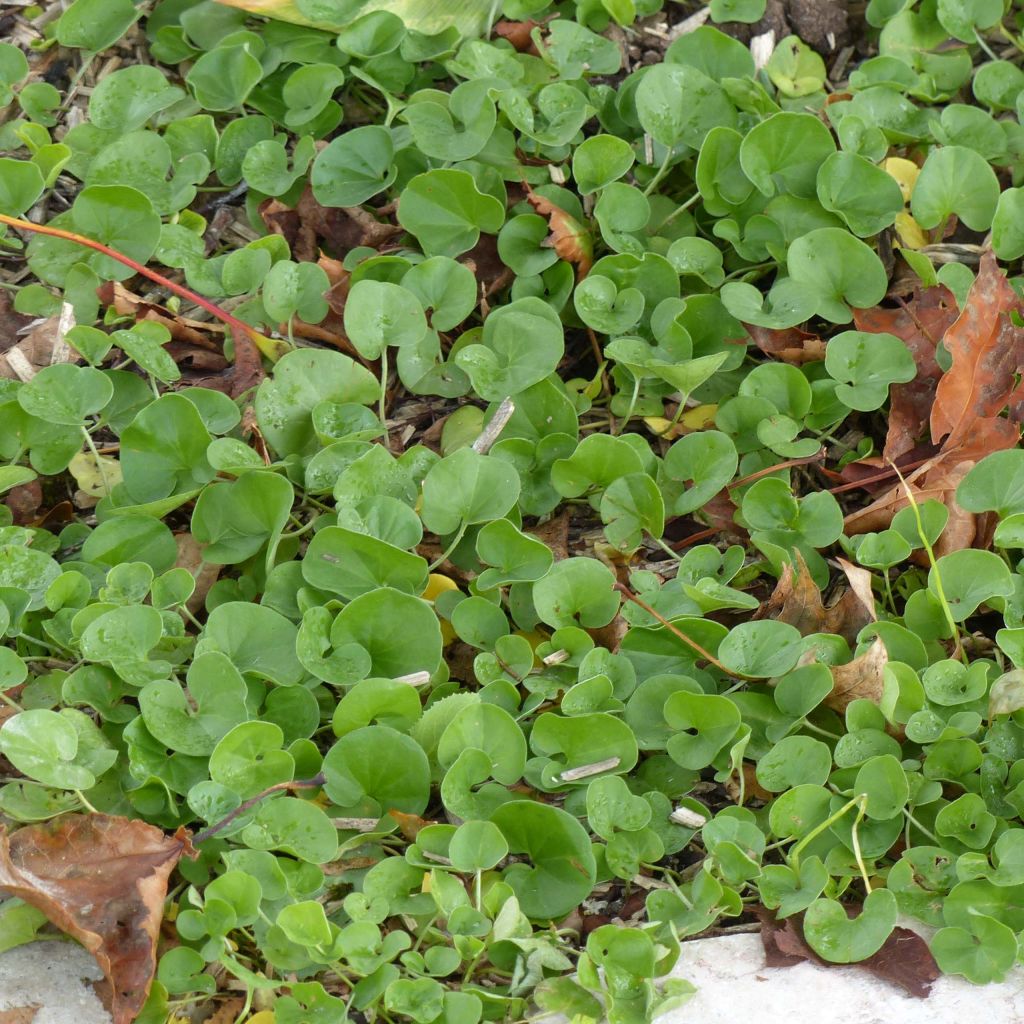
point(909, 232)
point(95, 479)
point(700, 417)
point(427, 16)
point(437, 585)
point(904, 172)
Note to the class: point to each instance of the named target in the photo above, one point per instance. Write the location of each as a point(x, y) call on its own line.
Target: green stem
point(273, 350)
point(679, 209)
point(629, 411)
point(99, 461)
point(939, 589)
point(659, 173)
point(456, 540)
point(383, 400)
point(793, 858)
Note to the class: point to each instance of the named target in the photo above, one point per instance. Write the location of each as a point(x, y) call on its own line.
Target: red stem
point(271, 348)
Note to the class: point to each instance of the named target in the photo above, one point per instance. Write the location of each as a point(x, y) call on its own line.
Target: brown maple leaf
point(568, 237)
point(796, 600)
point(987, 350)
point(101, 879)
point(920, 322)
point(859, 679)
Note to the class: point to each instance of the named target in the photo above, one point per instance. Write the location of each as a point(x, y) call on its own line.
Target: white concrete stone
point(735, 987)
point(52, 976)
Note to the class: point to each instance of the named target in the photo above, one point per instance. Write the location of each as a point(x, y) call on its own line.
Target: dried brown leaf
point(568, 237)
point(183, 329)
point(987, 350)
point(920, 323)
point(796, 600)
point(518, 33)
point(101, 879)
point(791, 345)
point(42, 346)
point(859, 679)
point(904, 959)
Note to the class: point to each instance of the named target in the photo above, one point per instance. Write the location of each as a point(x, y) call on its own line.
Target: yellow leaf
point(437, 585)
point(263, 1017)
point(427, 16)
point(904, 172)
point(94, 479)
point(700, 417)
point(909, 232)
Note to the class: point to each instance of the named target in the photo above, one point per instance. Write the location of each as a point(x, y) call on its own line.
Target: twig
point(499, 421)
point(586, 770)
point(706, 655)
point(271, 348)
point(313, 783)
point(788, 464)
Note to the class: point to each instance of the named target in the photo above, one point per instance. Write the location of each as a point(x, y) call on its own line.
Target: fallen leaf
point(859, 679)
point(920, 322)
point(190, 556)
point(796, 601)
point(791, 345)
point(938, 479)
point(904, 959)
point(987, 349)
point(24, 501)
point(518, 34)
point(11, 322)
point(568, 237)
point(248, 369)
point(409, 824)
point(43, 345)
point(101, 879)
point(340, 228)
point(182, 328)
point(555, 534)
point(469, 16)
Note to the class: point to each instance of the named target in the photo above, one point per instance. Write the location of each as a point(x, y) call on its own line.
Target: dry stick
point(706, 655)
point(788, 464)
point(877, 477)
point(317, 780)
point(271, 348)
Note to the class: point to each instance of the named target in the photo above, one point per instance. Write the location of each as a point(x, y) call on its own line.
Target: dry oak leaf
point(570, 239)
point(796, 601)
point(987, 350)
point(920, 323)
point(102, 879)
point(860, 679)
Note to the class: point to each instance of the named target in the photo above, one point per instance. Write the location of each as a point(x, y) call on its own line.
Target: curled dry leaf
point(101, 879)
point(183, 329)
point(791, 345)
point(340, 229)
point(859, 679)
point(920, 322)
point(796, 601)
point(519, 34)
point(568, 237)
point(987, 349)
